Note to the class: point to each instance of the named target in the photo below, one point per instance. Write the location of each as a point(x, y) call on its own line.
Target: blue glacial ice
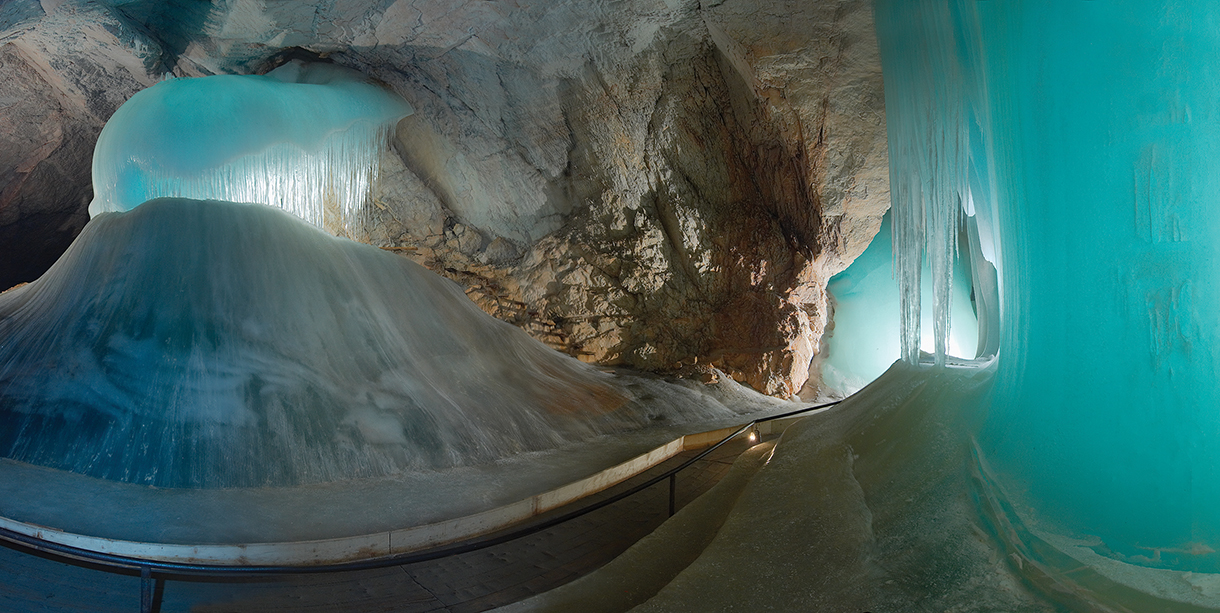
point(1076, 470)
point(306, 138)
point(1085, 134)
point(865, 337)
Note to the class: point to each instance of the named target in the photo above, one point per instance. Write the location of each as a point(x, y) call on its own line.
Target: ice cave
point(292, 278)
point(305, 138)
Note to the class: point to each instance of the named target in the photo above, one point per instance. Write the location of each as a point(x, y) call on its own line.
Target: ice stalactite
point(926, 73)
point(306, 138)
point(941, 198)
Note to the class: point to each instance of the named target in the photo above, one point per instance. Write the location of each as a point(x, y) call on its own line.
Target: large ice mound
point(196, 343)
point(306, 138)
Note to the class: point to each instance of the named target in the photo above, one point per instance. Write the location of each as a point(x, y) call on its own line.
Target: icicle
point(929, 145)
point(330, 188)
point(305, 138)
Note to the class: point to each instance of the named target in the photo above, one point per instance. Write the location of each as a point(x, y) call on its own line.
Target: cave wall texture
point(660, 184)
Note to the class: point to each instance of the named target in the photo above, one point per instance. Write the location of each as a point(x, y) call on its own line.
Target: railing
point(151, 570)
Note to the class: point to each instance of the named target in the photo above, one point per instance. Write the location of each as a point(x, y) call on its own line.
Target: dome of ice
point(192, 343)
point(305, 138)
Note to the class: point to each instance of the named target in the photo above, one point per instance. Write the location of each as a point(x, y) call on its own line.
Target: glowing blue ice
point(1095, 127)
point(865, 339)
point(306, 138)
point(1112, 200)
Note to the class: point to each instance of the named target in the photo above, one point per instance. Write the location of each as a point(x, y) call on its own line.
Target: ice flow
point(305, 138)
point(190, 343)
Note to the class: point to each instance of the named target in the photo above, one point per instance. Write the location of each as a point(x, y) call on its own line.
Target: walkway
point(466, 583)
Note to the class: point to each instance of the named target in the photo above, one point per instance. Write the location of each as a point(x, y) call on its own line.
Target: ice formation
point(864, 340)
point(928, 164)
point(1077, 470)
point(306, 138)
point(192, 343)
point(1085, 136)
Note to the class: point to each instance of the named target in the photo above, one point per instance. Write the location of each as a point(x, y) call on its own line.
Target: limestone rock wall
point(63, 72)
point(665, 185)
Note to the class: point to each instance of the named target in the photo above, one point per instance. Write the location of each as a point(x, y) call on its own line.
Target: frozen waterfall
point(1085, 139)
point(191, 343)
point(306, 138)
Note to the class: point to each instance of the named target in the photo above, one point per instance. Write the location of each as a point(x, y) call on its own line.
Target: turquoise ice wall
point(1096, 127)
point(1107, 119)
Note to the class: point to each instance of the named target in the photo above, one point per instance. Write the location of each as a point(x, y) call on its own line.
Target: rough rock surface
point(63, 72)
point(658, 184)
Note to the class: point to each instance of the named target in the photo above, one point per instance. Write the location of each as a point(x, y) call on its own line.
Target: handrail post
point(148, 588)
point(673, 486)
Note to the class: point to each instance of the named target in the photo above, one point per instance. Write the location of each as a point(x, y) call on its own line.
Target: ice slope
point(306, 138)
point(192, 343)
point(1093, 128)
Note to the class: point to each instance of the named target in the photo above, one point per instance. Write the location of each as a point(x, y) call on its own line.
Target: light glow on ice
point(306, 138)
point(1088, 136)
point(864, 341)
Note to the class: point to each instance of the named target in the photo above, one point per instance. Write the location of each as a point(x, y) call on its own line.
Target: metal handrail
point(150, 569)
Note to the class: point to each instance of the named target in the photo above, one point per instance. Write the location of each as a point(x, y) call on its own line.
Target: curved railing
point(151, 570)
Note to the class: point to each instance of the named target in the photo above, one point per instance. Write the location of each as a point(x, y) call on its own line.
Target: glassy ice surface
point(192, 343)
point(1095, 131)
point(1109, 423)
point(305, 138)
point(865, 339)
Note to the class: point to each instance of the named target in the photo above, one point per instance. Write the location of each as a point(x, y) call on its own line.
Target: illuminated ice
point(306, 138)
point(1092, 125)
point(1077, 471)
point(192, 343)
point(864, 339)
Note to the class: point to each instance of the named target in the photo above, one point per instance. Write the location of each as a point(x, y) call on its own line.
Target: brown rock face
point(666, 186)
point(713, 177)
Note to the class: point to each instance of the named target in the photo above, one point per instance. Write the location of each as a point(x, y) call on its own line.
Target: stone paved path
point(474, 581)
